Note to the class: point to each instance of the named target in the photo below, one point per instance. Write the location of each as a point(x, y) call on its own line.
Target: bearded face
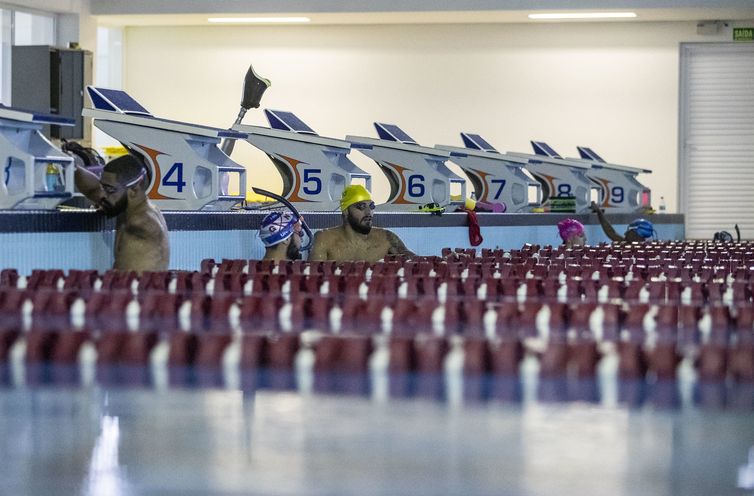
point(112, 206)
point(359, 216)
point(115, 199)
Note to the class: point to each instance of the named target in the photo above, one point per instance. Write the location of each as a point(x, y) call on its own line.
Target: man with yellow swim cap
point(356, 239)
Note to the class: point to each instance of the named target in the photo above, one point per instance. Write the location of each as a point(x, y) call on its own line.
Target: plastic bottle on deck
point(53, 181)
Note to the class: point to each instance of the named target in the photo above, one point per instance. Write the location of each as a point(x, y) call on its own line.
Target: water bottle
point(53, 181)
point(663, 207)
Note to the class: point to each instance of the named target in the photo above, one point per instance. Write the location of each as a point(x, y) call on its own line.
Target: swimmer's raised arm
point(88, 184)
point(606, 226)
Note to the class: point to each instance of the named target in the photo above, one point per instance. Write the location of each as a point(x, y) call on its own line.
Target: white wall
point(611, 86)
point(74, 19)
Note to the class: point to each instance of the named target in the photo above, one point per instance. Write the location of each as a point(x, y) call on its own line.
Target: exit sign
point(743, 34)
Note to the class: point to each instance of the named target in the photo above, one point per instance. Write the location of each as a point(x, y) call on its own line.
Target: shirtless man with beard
point(356, 239)
point(141, 235)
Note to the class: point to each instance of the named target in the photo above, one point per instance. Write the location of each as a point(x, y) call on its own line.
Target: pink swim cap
point(570, 228)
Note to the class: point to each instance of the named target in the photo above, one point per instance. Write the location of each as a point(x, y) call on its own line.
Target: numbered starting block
point(36, 175)
point(417, 175)
point(495, 176)
point(315, 169)
point(561, 179)
point(189, 171)
point(619, 190)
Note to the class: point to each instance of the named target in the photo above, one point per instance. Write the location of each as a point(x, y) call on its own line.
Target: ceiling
point(196, 12)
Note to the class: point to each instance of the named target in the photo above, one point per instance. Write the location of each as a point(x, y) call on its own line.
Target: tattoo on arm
point(396, 245)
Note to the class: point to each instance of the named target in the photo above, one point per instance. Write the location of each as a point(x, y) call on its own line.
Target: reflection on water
point(198, 441)
point(105, 476)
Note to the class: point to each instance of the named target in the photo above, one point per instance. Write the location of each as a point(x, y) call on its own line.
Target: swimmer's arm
point(319, 247)
point(606, 226)
point(88, 184)
point(396, 245)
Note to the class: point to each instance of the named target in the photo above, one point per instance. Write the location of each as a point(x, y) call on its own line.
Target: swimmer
point(141, 234)
point(356, 238)
point(572, 233)
point(281, 234)
point(638, 231)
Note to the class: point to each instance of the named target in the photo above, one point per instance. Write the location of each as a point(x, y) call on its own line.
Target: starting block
point(315, 169)
point(560, 178)
point(417, 174)
point(189, 171)
point(495, 176)
point(620, 191)
point(35, 174)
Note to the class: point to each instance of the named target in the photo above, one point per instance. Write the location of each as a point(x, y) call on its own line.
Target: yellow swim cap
point(354, 193)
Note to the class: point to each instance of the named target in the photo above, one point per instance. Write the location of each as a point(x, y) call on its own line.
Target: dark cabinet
point(52, 80)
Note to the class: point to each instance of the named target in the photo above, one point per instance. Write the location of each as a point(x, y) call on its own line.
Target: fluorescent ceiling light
point(585, 15)
point(259, 20)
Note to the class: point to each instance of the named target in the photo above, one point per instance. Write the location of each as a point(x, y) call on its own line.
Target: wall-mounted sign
point(743, 34)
